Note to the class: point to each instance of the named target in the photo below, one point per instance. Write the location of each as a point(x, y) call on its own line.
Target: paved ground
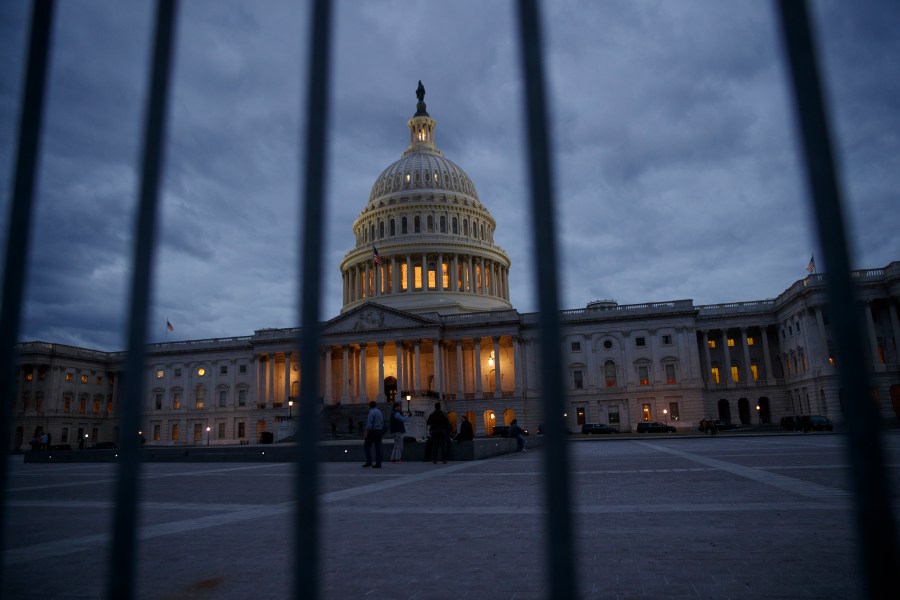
point(657, 517)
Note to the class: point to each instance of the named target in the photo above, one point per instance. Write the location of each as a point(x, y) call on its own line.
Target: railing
point(876, 529)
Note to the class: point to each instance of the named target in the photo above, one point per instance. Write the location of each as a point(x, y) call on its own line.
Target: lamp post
point(85, 440)
point(290, 407)
point(758, 415)
point(666, 415)
point(207, 435)
point(408, 412)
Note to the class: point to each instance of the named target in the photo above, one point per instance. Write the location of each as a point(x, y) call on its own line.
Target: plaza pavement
point(655, 517)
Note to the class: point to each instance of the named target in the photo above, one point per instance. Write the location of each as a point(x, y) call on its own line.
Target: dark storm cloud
point(675, 159)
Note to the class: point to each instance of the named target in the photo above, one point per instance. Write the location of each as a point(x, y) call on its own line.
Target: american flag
point(376, 258)
point(169, 326)
point(811, 267)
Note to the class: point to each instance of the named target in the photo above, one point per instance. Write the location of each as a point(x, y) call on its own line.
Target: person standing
point(466, 432)
point(398, 428)
point(517, 432)
point(373, 432)
point(439, 426)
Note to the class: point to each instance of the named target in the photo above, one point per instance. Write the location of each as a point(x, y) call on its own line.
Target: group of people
point(40, 442)
point(438, 427)
point(707, 425)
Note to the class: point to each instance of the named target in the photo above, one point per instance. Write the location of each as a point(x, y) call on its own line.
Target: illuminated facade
point(426, 315)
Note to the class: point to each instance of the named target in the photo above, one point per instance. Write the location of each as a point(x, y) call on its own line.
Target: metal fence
point(876, 529)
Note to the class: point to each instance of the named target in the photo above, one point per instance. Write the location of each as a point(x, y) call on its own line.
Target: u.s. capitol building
point(426, 315)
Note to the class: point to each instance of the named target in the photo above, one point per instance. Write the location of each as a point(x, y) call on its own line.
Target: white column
point(727, 355)
point(270, 387)
point(498, 390)
point(454, 274)
point(471, 274)
point(766, 355)
point(327, 355)
point(460, 391)
point(418, 366)
point(479, 391)
point(708, 377)
point(747, 373)
point(436, 357)
point(409, 273)
point(363, 398)
point(345, 375)
point(379, 396)
point(439, 274)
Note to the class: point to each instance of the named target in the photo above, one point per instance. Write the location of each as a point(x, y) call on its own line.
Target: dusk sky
point(677, 173)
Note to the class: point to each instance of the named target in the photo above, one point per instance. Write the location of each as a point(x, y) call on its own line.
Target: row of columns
point(409, 369)
point(745, 371)
point(467, 273)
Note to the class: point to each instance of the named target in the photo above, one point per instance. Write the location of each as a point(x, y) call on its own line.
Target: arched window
point(393, 227)
point(443, 224)
point(372, 232)
point(465, 227)
point(455, 225)
point(403, 226)
point(200, 396)
point(381, 230)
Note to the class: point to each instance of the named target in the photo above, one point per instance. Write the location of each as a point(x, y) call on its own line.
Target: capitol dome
point(424, 241)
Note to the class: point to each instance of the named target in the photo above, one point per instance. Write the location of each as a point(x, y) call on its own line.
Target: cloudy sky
point(674, 149)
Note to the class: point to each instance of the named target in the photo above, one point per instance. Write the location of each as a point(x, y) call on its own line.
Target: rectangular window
point(445, 276)
point(673, 411)
point(403, 277)
point(640, 342)
point(67, 404)
point(99, 380)
point(432, 281)
point(70, 376)
point(29, 376)
point(242, 369)
point(222, 396)
point(82, 405)
point(731, 342)
point(96, 406)
point(158, 401)
point(176, 400)
point(613, 415)
point(417, 277)
point(670, 374)
point(667, 340)
point(156, 432)
point(220, 433)
point(177, 372)
point(643, 375)
point(160, 373)
point(579, 380)
point(109, 405)
point(711, 343)
point(223, 370)
point(749, 341)
point(65, 435)
point(734, 373)
point(576, 346)
point(175, 432)
point(714, 372)
point(84, 379)
point(579, 415)
point(754, 370)
point(646, 413)
point(242, 433)
point(198, 432)
point(242, 397)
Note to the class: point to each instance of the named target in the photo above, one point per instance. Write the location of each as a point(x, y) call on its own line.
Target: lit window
point(731, 342)
point(711, 343)
point(96, 406)
point(29, 375)
point(670, 374)
point(445, 275)
point(754, 370)
point(749, 341)
point(69, 377)
point(417, 277)
point(715, 374)
point(200, 398)
point(176, 400)
point(403, 276)
point(84, 379)
point(643, 375)
point(735, 376)
point(160, 373)
point(432, 280)
point(175, 431)
point(201, 372)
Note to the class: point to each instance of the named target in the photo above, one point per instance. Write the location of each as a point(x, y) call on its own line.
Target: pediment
point(374, 317)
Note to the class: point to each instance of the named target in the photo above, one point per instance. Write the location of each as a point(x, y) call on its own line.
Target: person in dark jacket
point(518, 433)
point(439, 426)
point(398, 429)
point(466, 432)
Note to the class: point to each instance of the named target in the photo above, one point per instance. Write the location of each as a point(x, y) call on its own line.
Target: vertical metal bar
point(19, 229)
point(877, 531)
point(123, 551)
point(306, 481)
point(560, 563)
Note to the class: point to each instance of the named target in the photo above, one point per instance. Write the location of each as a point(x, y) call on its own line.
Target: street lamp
point(408, 412)
point(758, 415)
point(85, 440)
point(207, 435)
point(666, 415)
point(290, 406)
